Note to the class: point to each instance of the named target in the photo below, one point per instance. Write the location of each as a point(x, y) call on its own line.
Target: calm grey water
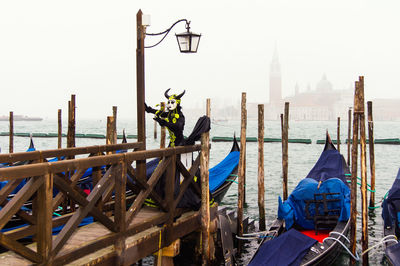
point(301, 159)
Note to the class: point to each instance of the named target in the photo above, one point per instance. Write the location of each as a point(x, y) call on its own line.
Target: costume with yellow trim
point(173, 119)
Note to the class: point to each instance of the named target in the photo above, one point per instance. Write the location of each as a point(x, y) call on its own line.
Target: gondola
point(224, 173)
point(391, 219)
point(313, 220)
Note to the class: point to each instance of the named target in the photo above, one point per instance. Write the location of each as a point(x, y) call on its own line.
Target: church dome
point(324, 84)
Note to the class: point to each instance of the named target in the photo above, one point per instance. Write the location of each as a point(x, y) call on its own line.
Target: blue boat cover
point(391, 205)
point(330, 164)
point(287, 249)
point(293, 210)
point(219, 173)
point(393, 254)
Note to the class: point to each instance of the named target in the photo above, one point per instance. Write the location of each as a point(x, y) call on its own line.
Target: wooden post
point(163, 134)
point(114, 131)
point(205, 193)
point(348, 137)
point(110, 132)
point(44, 218)
point(242, 170)
point(354, 154)
point(338, 134)
point(140, 91)
point(11, 143)
point(363, 159)
point(155, 129)
point(71, 137)
point(59, 130)
point(120, 208)
point(371, 154)
point(285, 140)
point(71, 123)
point(261, 189)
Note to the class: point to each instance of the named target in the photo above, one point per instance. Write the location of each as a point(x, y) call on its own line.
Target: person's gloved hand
point(147, 108)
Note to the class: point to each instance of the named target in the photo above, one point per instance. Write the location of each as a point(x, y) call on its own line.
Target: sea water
point(301, 159)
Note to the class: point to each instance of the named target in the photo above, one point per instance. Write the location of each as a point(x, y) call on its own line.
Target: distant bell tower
point(275, 80)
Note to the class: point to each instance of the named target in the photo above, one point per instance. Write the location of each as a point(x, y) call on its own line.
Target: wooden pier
point(124, 230)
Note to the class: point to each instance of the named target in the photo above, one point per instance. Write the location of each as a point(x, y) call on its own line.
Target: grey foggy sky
point(52, 49)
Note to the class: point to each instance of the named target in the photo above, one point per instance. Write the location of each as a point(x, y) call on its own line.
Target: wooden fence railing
point(118, 192)
point(41, 156)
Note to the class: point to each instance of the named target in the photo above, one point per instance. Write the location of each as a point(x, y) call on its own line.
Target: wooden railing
point(108, 202)
point(41, 156)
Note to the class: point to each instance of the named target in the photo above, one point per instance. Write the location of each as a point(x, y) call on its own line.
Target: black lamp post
point(188, 43)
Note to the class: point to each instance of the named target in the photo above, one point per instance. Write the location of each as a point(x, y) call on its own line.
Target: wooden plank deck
point(145, 234)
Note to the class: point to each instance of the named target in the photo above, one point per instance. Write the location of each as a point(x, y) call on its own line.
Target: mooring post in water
point(71, 123)
point(11, 143)
point(261, 188)
point(110, 132)
point(59, 135)
point(241, 172)
point(371, 154)
point(354, 154)
point(115, 136)
point(363, 160)
point(285, 140)
point(205, 193)
point(348, 137)
point(155, 129)
point(163, 133)
point(338, 134)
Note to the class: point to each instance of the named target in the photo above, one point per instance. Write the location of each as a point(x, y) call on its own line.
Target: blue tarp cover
point(219, 173)
point(329, 165)
point(393, 254)
point(391, 205)
point(287, 249)
point(293, 210)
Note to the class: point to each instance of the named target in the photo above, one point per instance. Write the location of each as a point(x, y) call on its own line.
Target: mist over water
point(301, 159)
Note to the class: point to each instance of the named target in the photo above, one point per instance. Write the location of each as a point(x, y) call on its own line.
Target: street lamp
point(188, 43)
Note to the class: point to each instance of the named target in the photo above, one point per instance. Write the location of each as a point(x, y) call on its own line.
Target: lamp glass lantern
point(188, 41)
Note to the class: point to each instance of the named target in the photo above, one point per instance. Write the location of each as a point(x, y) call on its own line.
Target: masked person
point(173, 118)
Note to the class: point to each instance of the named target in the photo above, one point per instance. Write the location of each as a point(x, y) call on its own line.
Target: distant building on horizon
point(323, 103)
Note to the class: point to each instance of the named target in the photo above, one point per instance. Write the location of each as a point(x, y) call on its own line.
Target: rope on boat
point(256, 235)
point(370, 190)
point(357, 258)
point(234, 181)
point(383, 241)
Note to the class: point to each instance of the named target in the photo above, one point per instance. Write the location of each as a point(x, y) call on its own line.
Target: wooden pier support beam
point(338, 134)
point(44, 217)
point(162, 133)
point(371, 154)
point(155, 129)
point(110, 132)
point(59, 136)
point(261, 188)
point(348, 137)
point(285, 141)
point(115, 135)
point(363, 159)
point(71, 123)
point(119, 173)
point(242, 171)
point(11, 143)
point(354, 155)
point(205, 193)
